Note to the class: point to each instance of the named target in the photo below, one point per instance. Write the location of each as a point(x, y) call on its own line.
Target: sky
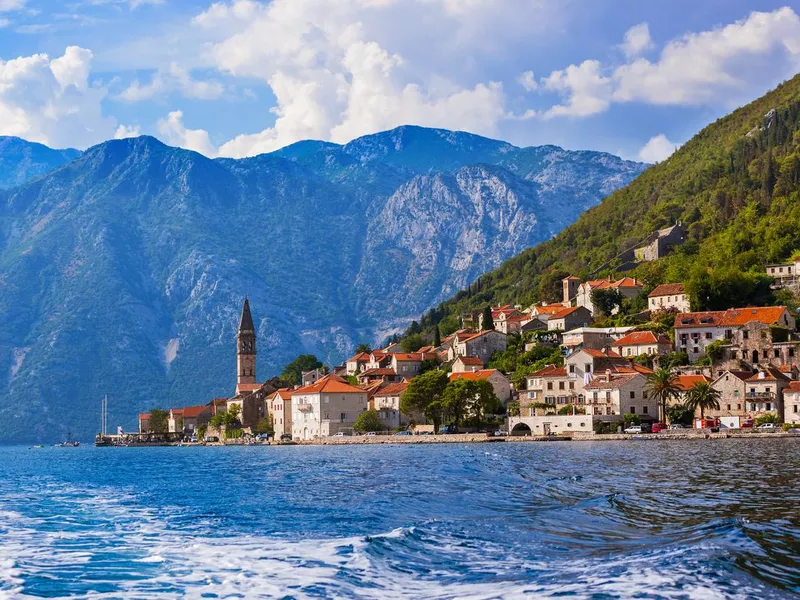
point(237, 78)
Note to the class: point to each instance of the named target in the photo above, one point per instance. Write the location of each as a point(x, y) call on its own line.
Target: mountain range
point(123, 268)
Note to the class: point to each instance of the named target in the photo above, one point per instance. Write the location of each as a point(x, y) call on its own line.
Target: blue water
point(694, 519)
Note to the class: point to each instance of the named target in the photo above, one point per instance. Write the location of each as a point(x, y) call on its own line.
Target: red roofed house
point(627, 287)
point(584, 363)
point(462, 364)
point(280, 408)
point(500, 383)
point(569, 318)
point(482, 345)
point(409, 364)
point(791, 403)
point(765, 392)
point(668, 296)
point(175, 420)
point(732, 386)
point(357, 363)
point(383, 374)
point(144, 422)
point(326, 407)
point(637, 343)
point(550, 385)
point(694, 331)
point(387, 402)
point(620, 394)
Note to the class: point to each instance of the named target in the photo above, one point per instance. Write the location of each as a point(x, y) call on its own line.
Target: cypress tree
point(437, 337)
point(488, 322)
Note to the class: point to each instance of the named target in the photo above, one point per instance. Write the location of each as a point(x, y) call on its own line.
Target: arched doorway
point(521, 429)
point(305, 433)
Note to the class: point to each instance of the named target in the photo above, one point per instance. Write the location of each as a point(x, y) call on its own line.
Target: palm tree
point(704, 397)
point(662, 385)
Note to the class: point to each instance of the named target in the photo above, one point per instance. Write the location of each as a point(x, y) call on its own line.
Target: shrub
point(767, 418)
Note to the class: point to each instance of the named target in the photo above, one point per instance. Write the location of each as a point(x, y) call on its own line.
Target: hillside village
point(549, 368)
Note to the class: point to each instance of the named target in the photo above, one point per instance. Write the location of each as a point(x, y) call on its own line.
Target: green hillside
point(735, 186)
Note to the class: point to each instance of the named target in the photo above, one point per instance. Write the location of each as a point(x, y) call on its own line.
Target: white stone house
point(326, 407)
point(668, 296)
point(569, 318)
point(464, 364)
point(386, 402)
point(627, 287)
point(791, 403)
point(280, 408)
point(482, 345)
point(637, 343)
point(550, 385)
point(620, 394)
point(765, 393)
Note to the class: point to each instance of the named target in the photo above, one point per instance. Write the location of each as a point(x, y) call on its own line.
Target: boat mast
point(104, 416)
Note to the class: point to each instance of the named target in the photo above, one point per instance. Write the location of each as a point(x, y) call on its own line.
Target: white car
point(634, 429)
point(370, 434)
point(767, 428)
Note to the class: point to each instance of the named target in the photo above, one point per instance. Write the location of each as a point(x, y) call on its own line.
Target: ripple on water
point(581, 520)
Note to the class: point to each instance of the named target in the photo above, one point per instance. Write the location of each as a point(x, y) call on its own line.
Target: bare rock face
point(122, 271)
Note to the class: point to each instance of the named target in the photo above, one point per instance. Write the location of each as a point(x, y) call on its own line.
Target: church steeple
point(245, 349)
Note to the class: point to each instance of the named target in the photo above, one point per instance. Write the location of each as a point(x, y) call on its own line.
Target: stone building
point(280, 408)
point(386, 401)
point(765, 392)
point(569, 318)
point(627, 288)
point(620, 394)
point(668, 296)
point(758, 344)
point(326, 407)
point(638, 343)
point(732, 386)
point(791, 403)
point(500, 383)
point(246, 352)
point(661, 243)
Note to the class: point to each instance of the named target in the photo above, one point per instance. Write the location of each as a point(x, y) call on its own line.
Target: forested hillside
point(735, 186)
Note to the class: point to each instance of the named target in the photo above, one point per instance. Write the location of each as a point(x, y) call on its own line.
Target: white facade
point(322, 414)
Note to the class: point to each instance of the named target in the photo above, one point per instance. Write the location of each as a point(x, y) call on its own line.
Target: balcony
point(766, 396)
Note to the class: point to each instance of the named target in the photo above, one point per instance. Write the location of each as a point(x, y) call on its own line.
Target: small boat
point(36, 446)
point(68, 443)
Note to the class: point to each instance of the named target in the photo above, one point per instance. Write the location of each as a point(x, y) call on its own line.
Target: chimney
point(608, 375)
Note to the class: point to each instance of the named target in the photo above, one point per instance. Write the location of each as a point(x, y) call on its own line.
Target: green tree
point(607, 301)
point(422, 392)
point(437, 337)
point(679, 414)
point(159, 421)
point(429, 364)
point(362, 348)
point(766, 418)
point(704, 397)
point(487, 321)
point(456, 398)
point(368, 421)
point(265, 425)
point(413, 342)
point(484, 402)
point(662, 387)
point(293, 372)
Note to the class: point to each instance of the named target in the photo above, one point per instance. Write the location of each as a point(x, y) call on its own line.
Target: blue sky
point(241, 77)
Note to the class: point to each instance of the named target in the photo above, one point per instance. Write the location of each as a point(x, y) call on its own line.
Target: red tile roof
point(687, 382)
point(667, 289)
point(550, 309)
point(564, 312)
point(732, 317)
point(600, 383)
point(249, 387)
point(144, 416)
point(360, 357)
point(474, 375)
point(640, 338)
point(601, 353)
point(329, 383)
point(604, 284)
point(470, 360)
point(794, 386)
point(770, 374)
point(378, 372)
point(550, 371)
point(283, 393)
point(393, 389)
point(194, 411)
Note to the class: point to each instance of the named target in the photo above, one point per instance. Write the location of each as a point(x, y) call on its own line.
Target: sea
point(627, 519)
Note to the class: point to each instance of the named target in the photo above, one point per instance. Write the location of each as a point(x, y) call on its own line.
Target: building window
point(769, 406)
point(632, 410)
point(342, 417)
point(549, 385)
point(745, 335)
point(572, 369)
point(776, 353)
point(739, 406)
point(587, 368)
point(561, 385)
point(795, 408)
point(729, 406)
point(644, 410)
point(708, 335)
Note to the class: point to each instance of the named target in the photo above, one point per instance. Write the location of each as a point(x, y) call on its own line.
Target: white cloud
point(528, 81)
point(9, 5)
point(698, 68)
point(51, 101)
point(172, 78)
point(657, 148)
point(334, 79)
point(175, 133)
point(587, 91)
point(124, 131)
point(637, 40)
point(701, 67)
point(4, 23)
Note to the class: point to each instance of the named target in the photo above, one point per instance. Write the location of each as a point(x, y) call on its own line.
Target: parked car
point(340, 434)
point(370, 434)
point(262, 437)
point(646, 427)
point(500, 433)
point(658, 427)
point(448, 429)
point(767, 428)
point(403, 433)
point(674, 426)
point(211, 438)
point(634, 429)
point(286, 437)
point(748, 424)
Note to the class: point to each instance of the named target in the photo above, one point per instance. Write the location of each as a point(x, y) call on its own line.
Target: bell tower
point(245, 348)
